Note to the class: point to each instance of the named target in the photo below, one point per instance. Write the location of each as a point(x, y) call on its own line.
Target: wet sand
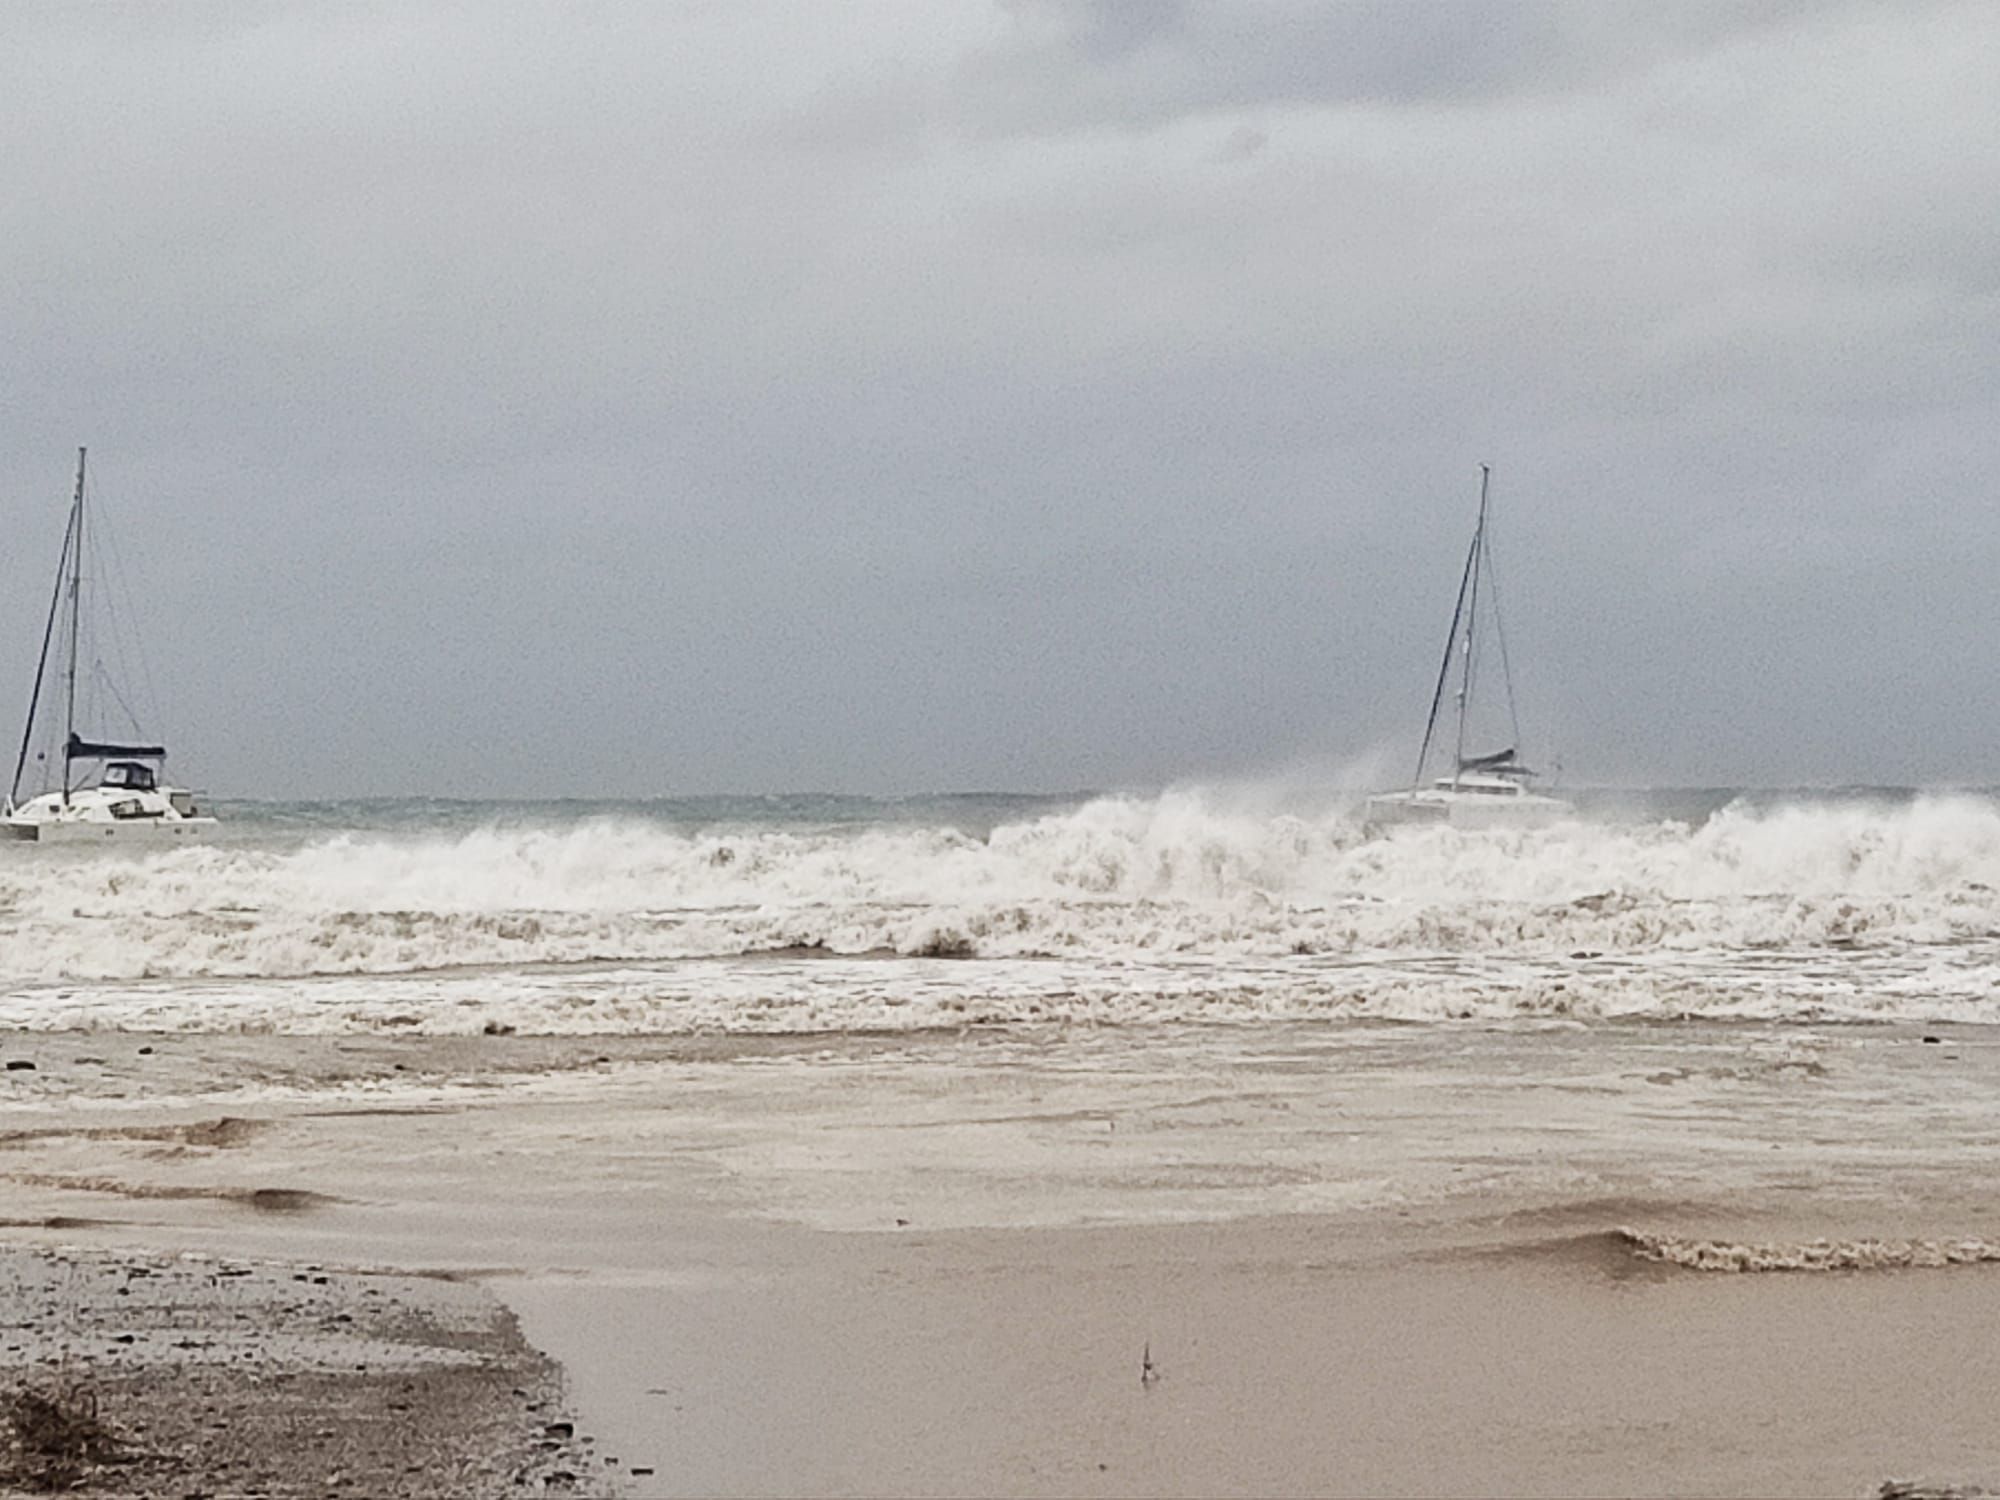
point(871, 1268)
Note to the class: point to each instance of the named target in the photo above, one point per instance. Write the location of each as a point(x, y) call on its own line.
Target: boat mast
point(1450, 645)
point(48, 636)
point(1471, 621)
point(75, 618)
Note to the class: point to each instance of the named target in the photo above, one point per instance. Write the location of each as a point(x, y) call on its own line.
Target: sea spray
point(1185, 906)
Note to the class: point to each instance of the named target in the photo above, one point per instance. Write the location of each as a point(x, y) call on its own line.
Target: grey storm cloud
point(541, 399)
point(1141, 62)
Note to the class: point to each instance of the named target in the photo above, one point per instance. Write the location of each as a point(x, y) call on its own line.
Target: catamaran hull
point(1461, 810)
point(127, 831)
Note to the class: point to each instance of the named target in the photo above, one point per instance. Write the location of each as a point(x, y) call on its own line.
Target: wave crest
point(1180, 877)
point(1811, 1255)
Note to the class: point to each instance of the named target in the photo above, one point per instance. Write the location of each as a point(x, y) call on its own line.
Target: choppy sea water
point(807, 915)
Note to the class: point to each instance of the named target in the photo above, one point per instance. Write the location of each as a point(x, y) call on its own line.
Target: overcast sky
point(897, 395)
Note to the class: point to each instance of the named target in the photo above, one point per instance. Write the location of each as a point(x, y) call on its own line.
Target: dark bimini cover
point(82, 749)
point(1499, 760)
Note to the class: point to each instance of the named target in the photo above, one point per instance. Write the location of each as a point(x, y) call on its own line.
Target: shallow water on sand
point(1473, 1134)
point(1365, 1259)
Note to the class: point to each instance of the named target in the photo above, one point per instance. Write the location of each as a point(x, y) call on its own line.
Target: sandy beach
point(930, 1267)
point(141, 1374)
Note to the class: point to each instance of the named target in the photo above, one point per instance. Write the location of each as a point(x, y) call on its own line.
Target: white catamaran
point(1484, 790)
point(126, 799)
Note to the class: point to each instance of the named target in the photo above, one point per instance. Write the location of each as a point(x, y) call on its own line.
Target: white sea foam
point(1184, 906)
point(1811, 1255)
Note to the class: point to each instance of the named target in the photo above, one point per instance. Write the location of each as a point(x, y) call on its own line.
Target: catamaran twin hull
point(103, 814)
point(1442, 807)
point(132, 830)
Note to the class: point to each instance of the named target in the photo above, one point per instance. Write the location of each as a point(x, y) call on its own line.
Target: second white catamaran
point(126, 799)
point(1484, 789)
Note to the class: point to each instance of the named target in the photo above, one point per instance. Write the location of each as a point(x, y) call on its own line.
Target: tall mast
point(1471, 620)
point(1444, 667)
point(75, 617)
point(42, 662)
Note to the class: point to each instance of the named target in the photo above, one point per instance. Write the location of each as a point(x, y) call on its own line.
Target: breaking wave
point(1810, 1255)
point(1175, 907)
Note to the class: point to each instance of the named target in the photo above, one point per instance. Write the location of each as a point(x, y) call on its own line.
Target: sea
point(1198, 907)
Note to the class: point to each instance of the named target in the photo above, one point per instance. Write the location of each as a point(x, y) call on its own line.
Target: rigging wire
point(41, 665)
point(1444, 669)
point(120, 610)
point(1500, 635)
point(1471, 623)
point(109, 684)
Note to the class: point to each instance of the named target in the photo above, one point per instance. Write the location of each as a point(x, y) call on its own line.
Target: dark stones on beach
point(19, 1065)
point(56, 1437)
point(405, 1378)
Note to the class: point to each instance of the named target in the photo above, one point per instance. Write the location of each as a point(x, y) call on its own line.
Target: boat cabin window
point(129, 774)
